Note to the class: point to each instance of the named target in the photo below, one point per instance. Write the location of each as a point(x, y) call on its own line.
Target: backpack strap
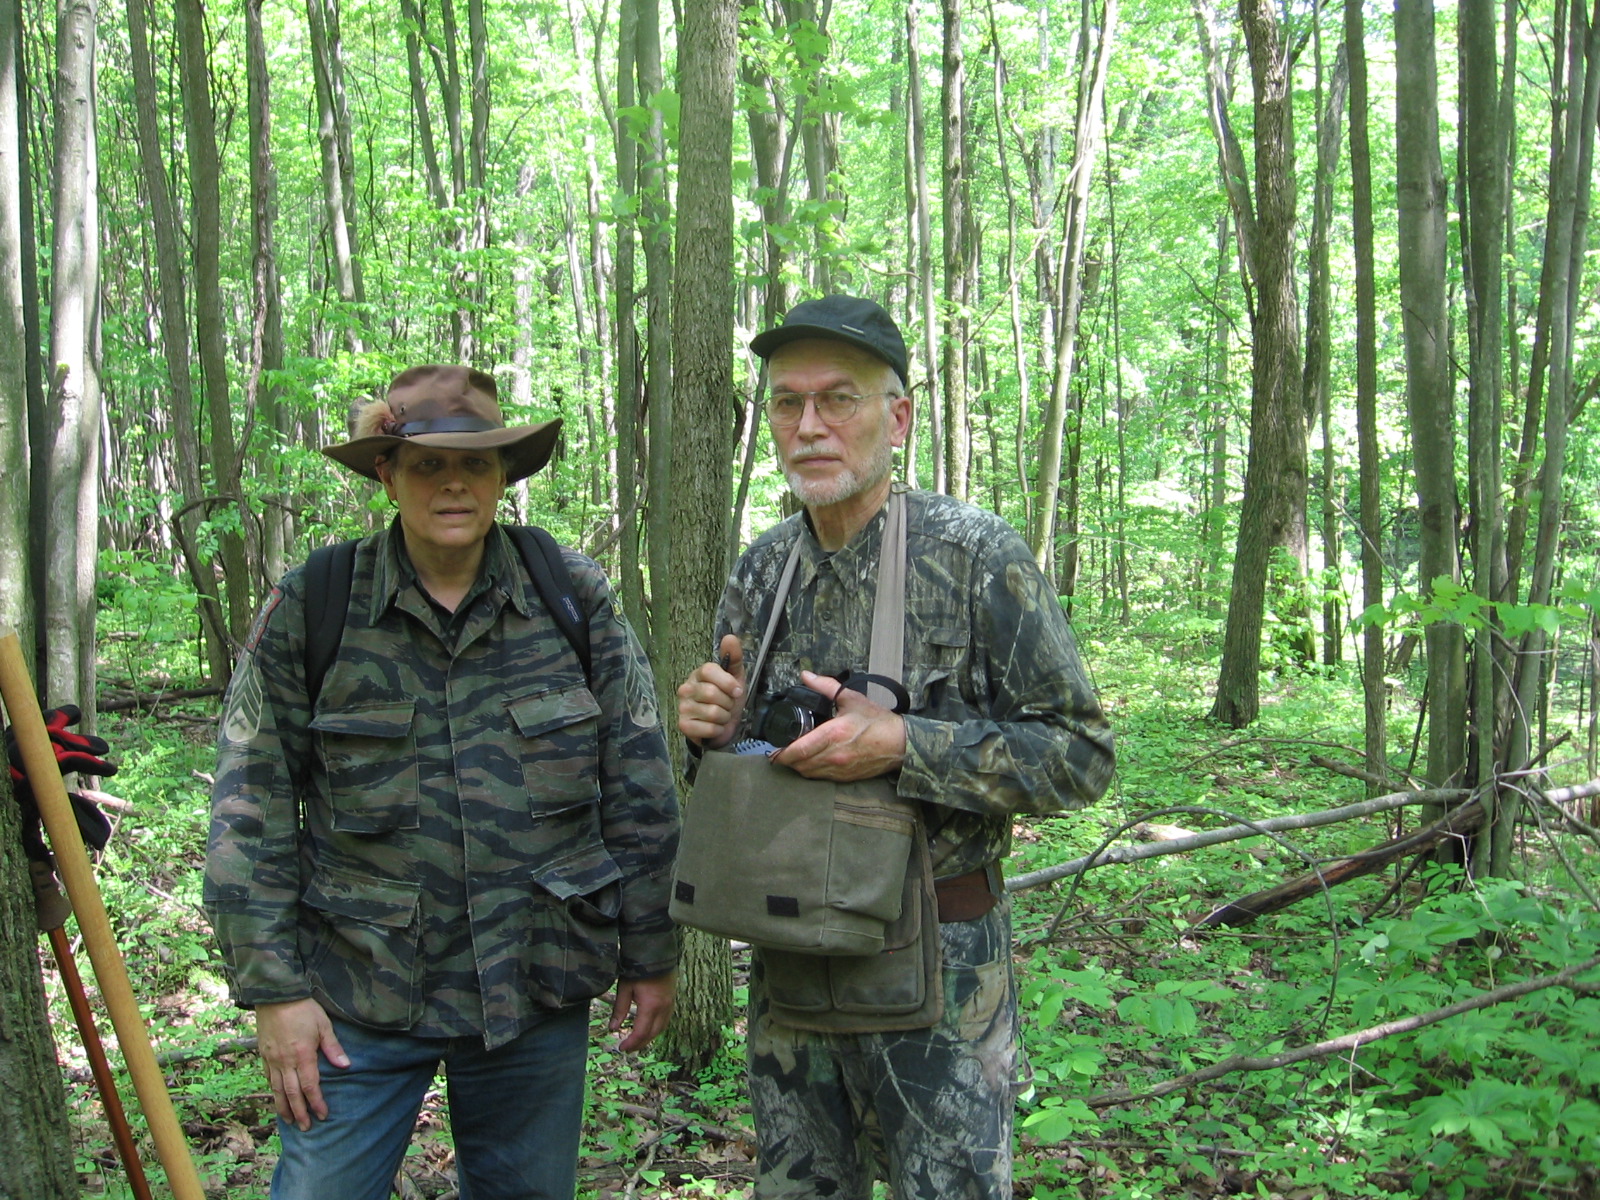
point(327, 586)
point(548, 570)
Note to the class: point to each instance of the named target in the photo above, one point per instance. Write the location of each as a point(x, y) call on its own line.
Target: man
point(443, 849)
point(1001, 721)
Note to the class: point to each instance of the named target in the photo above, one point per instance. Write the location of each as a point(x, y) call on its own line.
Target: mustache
point(803, 455)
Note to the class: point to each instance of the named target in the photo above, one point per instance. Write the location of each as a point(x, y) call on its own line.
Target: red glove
point(74, 751)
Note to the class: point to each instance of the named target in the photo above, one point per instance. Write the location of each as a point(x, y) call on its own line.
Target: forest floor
point(1126, 994)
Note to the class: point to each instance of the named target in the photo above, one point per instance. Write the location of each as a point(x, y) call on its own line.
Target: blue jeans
point(516, 1113)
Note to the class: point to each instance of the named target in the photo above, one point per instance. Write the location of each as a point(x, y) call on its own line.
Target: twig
point(1351, 1042)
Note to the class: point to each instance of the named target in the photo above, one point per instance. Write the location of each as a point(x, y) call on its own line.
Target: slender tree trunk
point(206, 200)
point(333, 123)
point(72, 440)
point(171, 302)
point(1215, 524)
point(628, 390)
point(703, 442)
point(1374, 689)
point(16, 576)
point(1482, 171)
point(264, 398)
point(656, 224)
point(1421, 205)
point(1275, 476)
point(934, 397)
point(960, 253)
point(1566, 239)
point(1093, 67)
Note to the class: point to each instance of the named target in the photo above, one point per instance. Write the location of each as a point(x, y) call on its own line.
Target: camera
point(791, 715)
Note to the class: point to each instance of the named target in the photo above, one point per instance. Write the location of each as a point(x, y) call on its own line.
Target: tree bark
point(1093, 67)
point(1421, 206)
point(960, 254)
point(628, 389)
point(36, 1158)
point(71, 474)
point(1373, 685)
point(656, 224)
point(338, 172)
point(702, 446)
point(16, 575)
point(1275, 475)
point(933, 400)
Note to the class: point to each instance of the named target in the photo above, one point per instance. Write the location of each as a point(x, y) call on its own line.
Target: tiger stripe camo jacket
point(464, 833)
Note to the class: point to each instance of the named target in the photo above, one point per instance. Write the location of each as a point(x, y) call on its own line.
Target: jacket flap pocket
point(579, 874)
point(389, 720)
point(366, 898)
point(535, 715)
point(947, 637)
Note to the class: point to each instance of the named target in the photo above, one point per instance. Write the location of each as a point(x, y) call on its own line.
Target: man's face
point(447, 498)
point(829, 464)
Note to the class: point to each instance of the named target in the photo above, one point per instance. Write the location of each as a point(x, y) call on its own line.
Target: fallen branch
point(1232, 833)
point(1458, 822)
point(156, 699)
point(1351, 1042)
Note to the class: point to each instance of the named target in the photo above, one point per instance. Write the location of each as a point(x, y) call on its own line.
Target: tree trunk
point(1421, 208)
point(960, 253)
point(36, 1161)
point(73, 436)
point(1482, 172)
point(263, 396)
point(206, 197)
point(934, 396)
point(656, 223)
point(1275, 475)
point(702, 446)
point(174, 321)
point(1374, 688)
point(628, 391)
point(338, 172)
point(16, 576)
point(1093, 67)
point(1566, 239)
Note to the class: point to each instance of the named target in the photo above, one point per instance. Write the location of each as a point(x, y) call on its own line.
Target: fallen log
point(156, 699)
point(1460, 821)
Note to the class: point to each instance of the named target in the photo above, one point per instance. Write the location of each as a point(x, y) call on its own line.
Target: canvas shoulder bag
point(832, 881)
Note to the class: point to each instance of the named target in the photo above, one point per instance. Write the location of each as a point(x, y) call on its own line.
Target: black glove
point(92, 823)
point(74, 751)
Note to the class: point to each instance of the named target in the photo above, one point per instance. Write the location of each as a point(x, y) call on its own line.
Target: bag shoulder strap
point(541, 554)
point(327, 584)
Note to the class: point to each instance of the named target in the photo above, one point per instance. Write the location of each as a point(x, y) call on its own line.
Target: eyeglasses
point(834, 408)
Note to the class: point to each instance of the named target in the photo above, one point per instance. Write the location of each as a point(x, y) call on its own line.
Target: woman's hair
point(369, 419)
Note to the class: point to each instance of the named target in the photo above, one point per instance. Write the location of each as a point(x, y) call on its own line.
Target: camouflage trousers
point(928, 1110)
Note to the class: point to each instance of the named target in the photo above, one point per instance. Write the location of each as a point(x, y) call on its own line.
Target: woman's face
point(447, 498)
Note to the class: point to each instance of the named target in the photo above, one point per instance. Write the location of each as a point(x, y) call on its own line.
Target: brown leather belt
point(967, 897)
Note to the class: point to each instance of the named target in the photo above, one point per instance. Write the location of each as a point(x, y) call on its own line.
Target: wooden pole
point(72, 864)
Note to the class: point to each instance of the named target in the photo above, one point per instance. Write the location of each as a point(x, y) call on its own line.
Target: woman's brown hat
point(455, 408)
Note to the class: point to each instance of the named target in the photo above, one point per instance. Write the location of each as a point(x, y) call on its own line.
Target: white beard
point(846, 484)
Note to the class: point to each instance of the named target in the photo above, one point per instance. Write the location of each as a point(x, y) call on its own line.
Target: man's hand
point(289, 1036)
point(861, 741)
point(711, 700)
point(651, 1003)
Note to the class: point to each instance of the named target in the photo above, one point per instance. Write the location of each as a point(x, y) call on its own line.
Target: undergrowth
point(1128, 995)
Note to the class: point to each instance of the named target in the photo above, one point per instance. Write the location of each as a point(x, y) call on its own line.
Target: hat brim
point(765, 343)
point(524, 449)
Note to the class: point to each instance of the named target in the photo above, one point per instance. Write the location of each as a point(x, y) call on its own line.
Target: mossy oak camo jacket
point(464, 832)
point(1002, 718)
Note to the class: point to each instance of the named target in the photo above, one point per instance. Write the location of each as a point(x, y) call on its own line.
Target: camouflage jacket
point(464, 831)
point(1002, 717)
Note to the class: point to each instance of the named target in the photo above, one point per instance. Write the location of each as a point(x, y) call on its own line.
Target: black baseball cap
point(851, 319)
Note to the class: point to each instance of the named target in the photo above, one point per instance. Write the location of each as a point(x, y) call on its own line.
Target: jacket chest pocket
point(940, 670)
point(369, 757)
point(558, 744)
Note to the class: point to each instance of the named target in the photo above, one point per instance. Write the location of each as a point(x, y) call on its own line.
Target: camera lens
point(785, 722)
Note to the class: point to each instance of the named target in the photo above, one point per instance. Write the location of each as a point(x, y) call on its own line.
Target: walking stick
point(72, 864)
point(121, 1132)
